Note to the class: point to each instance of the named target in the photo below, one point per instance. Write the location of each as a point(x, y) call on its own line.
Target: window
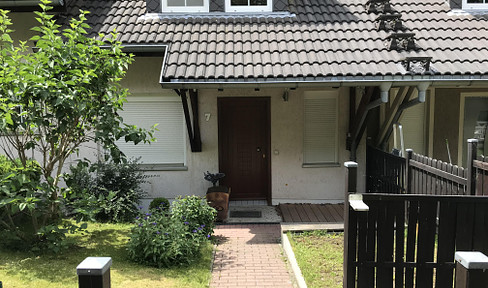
point(185, 5)
point(320, 140)
point(475, 4)
point(473, 121)
point(167, 112)
point(248, 6)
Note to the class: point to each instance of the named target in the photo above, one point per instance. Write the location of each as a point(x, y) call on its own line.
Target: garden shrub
point(161, 203)
point(114, 189)
point(196, 211)
point(25, 203)
point(161, 241)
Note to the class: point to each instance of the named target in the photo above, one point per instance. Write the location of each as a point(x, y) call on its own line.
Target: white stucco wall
point(22, 24)
point(290, 182)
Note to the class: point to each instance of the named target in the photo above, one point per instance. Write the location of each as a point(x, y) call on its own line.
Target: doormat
point(245, 214)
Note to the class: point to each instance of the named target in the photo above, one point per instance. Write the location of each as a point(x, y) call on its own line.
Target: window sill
point(163, 167)
point(321, 165)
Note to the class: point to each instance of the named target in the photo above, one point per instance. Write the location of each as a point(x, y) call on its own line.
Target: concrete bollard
point(94, 272)
point(471, 269)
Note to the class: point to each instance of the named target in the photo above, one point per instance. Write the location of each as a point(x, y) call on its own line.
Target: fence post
point(408, 172)
point(471, 269)
point(351, 188)
point(94, 272)
point(472, 151)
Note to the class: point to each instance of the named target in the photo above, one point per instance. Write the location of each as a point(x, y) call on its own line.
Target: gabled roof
point(315, 39)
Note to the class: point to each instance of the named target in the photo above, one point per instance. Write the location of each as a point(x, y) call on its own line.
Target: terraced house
point(278, 93)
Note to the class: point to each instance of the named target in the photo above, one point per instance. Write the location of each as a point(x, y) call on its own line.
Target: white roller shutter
point(167, 112)
point(320, 131)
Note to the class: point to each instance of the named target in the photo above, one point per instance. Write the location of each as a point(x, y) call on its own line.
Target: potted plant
point(218, 196)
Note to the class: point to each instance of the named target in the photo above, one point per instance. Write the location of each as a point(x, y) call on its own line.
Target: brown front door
point(244, 144)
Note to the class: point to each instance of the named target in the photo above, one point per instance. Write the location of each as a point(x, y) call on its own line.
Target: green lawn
point(319, 255)
point(25, 270)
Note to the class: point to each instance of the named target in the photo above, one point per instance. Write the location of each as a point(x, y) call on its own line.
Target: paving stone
point(249, 256)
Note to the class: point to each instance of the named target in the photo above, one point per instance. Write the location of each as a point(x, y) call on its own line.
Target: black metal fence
point(418, 174)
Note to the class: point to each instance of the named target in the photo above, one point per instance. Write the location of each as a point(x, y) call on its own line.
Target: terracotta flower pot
point(218, 198)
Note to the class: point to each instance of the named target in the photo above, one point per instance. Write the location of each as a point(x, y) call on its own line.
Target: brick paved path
point(249, 256)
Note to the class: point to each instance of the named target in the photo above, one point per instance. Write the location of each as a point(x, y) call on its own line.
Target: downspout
point(384, 92)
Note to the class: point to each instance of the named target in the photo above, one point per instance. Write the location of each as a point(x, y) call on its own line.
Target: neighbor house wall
point(446, 122)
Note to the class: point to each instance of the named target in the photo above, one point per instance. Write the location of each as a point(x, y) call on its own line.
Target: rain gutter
point(310, 82)
point(141, 48)
point(24, 4)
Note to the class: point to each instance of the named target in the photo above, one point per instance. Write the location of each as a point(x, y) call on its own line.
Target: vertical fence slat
point(362, 238)
point(408, 172)
point(480, 233)
point(350, 227)
point(426, 242)
point(384, 275)
point(471, 150)
point(438, 179)
point(371, 243)
point(464, 226)
point(399, 243)
point(444, 181)
point(429, 186)
point(351, 256)
point(446, 243)
point(411, 241)
point(484, 180)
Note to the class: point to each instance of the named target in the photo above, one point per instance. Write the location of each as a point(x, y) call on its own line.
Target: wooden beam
point(360, 115)
point(193, 130)
point(400, 96)
point(352, 115)
point(395, 116)
point(197, 141)
point(369, 101)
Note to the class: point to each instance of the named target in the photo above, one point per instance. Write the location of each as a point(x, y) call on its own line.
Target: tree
point(58, 97)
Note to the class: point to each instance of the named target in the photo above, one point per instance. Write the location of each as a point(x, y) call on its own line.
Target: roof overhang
point(143, 50)
point(342, 81)
point(27, 5)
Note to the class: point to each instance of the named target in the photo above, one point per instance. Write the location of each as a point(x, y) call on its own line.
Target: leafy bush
point(25, 205)
point(161, 203)
point(161, 241)
point(196, 211)
point(111, 190)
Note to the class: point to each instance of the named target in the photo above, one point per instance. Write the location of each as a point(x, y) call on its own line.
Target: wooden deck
point(312, 213)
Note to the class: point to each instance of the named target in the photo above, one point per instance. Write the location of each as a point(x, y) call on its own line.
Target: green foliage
point(20, 269)
point(161, 241)
point(196, 211)
point(52, 101)
point(109, 191)
point(161, 203)
point(24, 210)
